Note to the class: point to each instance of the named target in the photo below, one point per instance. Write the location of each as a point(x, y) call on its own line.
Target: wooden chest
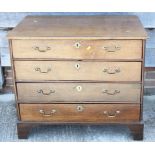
point(78, 69)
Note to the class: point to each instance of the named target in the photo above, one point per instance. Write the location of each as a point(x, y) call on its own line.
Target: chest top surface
point(61, 27)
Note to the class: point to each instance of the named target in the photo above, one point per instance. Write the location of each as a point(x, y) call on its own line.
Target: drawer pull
point(42, 92)
point(111, 114)
point(39, 49)
point(39, 70)
point(77, 45)
point(53, 111)
point(111, 72)
point(80, 108)
point(112, 48)
point(111, 93)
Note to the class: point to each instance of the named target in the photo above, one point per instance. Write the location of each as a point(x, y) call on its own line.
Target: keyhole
point(80, 108)
point(77, 45)
point(79, 88)
point(77, 66)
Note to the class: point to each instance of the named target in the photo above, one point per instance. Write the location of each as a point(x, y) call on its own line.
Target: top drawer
point(78, 49)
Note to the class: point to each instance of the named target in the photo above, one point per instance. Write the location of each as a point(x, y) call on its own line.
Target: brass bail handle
point(109, 71)
point(47, 114)
point(42, 49)
point(111, 93)
point(44, 93)
point(37, 69)
point(111, 114)
point(112, 48)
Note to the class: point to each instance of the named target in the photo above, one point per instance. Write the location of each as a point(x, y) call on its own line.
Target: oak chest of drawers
point(78, 70)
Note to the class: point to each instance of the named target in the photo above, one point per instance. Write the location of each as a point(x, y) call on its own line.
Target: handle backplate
point(111, 114)
point(111, 93)
point(110, 71)
point(37, 69)
point(45, 93)
point(47, 114)
point(42, 49)
point(112, 48)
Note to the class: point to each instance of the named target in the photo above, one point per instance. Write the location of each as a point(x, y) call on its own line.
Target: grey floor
point(73, 133)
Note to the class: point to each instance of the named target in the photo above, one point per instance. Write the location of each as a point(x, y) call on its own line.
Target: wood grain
point(87, 49)
point(77, 70)
point(83, 69)
point(107, 27)
point(89, 113)
point(28, 92)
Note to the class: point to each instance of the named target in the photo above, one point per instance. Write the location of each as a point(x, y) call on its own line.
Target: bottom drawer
point(80, 113)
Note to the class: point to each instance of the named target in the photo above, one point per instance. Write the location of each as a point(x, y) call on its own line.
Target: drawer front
point(80, 112)
point(47, 92)
point(77, 70)
point(78, 49)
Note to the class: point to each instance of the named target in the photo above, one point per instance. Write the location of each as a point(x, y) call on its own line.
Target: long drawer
point(77, 70)
point(47, 92)
point(80, 112)
point(78, 49)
